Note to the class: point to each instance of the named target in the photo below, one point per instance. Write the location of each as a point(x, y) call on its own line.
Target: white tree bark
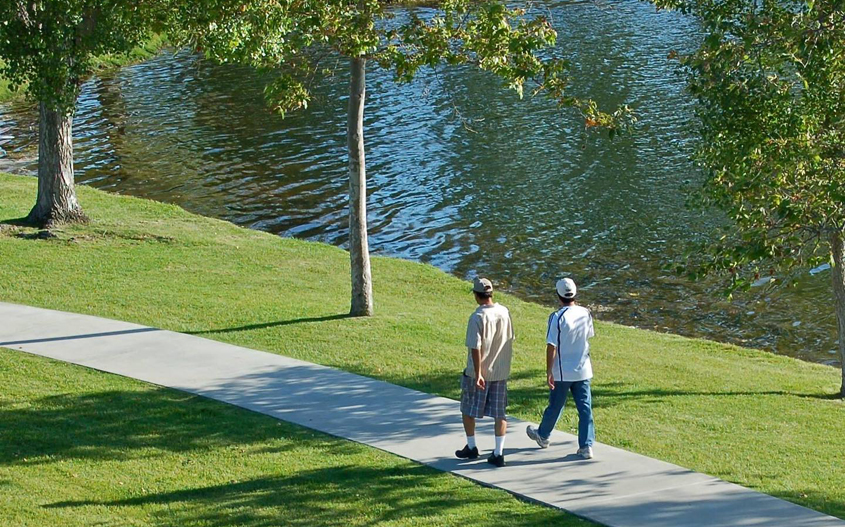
point(56, 201)
point(837, 247)
point(359, 252)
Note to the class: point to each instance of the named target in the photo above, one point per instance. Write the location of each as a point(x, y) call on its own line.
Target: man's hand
point(550, 379)
point(480, 383)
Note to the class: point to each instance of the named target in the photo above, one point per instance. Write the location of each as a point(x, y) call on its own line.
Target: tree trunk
point(359, 252)
point(837, 248)
point(56, 201)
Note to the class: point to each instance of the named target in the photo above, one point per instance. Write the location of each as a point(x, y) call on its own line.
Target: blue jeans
point(584, 404)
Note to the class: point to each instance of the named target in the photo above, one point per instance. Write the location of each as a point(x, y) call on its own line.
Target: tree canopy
point(291, 37)
point(48, 46)
point(770, 82)
point(769, 79)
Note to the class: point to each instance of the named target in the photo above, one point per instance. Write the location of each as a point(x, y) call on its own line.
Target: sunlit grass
point(764, 421)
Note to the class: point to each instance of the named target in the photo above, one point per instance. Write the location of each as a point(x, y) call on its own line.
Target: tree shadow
point(25, 229)
point(77, 337)
point(266, 325)
point(568, 458)
point(125, 425)
point(18, 222)
point(329, 496)
point(116, 425)
point(524, 398)
point(608, 392)
point(342, 480)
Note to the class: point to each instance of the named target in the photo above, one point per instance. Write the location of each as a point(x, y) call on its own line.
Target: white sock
point(471, 442)
point(500, 445)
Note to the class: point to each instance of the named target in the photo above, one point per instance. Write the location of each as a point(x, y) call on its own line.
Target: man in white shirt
point(484, 384)
point(568, 368)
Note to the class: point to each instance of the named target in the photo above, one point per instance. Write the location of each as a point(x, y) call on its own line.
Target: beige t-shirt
point(490, 330)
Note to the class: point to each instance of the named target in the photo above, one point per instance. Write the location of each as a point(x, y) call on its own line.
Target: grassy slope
point(757, 419)
point(79, 447)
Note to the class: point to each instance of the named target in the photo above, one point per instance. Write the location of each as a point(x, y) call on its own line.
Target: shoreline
point(526, 297)
point(642, 296)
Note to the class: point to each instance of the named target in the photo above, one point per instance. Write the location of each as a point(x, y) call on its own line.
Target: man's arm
point(473, 342)
point(476, 363)
point(511, 334)
point(551, 351)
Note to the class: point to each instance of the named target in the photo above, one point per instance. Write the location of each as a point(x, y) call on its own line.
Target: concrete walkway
point(617, 488)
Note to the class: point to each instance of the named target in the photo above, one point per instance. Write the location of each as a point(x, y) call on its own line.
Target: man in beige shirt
point(484, 385)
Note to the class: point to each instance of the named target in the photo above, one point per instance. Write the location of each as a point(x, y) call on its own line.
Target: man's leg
point(584, 402)
point(469, 408)
point(470, 451)
point(501, 430)
point(557, 400)
point(497, 405)
point(469, 426)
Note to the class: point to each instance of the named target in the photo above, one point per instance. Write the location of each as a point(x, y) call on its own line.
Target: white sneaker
point(532, 433)
point(585, 453)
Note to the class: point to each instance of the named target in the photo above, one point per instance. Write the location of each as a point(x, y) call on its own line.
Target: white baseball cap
point(566, 288)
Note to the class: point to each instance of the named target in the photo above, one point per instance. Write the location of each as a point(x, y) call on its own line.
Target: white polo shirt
point(569, 329)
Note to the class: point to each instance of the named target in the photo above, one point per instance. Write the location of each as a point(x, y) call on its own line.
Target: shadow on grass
point(266, 325)
point(523, 398)
point(117, 425)
point(18, 222)
point(336, 496)
point(599, 391)
point(311, 479)
point(341, 485)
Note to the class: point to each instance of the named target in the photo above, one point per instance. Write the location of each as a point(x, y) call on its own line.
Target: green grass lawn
point(767, 422)
point(80, 447)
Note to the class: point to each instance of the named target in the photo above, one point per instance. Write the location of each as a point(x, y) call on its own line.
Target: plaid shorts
point(491, 401)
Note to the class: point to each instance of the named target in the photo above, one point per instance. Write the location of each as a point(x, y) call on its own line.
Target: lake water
point(463, 175)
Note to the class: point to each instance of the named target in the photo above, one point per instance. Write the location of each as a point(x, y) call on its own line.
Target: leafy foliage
point(770, 82)
point(49, 46)
point(293, 37)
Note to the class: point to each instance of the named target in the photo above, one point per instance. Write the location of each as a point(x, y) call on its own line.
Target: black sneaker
point(467, 453)
point(498, 461)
